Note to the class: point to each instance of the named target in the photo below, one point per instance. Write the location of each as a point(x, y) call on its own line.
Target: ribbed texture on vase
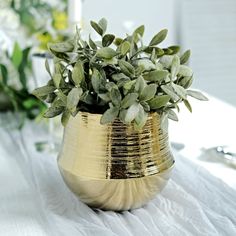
point(102, 162)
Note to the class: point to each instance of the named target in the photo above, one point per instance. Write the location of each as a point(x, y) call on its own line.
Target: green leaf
point(129, 85)
point(196, 94)
point(141, 118)
point(119, 76)
point(57, 79)
point(78, 73)
point(188, 105)
point(105, 97)
point(53, 111)
point(129, 100)
point(140, 30)
point(43, 91)
point(174, 49)
point(118, 41)
point(185, 71)
point(175, 66)
point(96, 81)
point(186, 82)
point(166, 61)
point(116, 97)
point(107, 40)
point(92, 44)
point(132, 113)
point(106, 53)
point(125, 47)
point(17, 55)
point(180, 91)
point(164, 122)
point(140, 84)
point(159, 101)
point(126, 68)
point(172, 115)
point(146, 64)
point(4, 74)
point(158, 38)
point(156, 75)
point(103, 24)
point(145, 105)
point(170, 91)
point(73, 99)
point(185, 57)
point(48, 67)
point(96, 27)
point(148, 92)
point(65, 117)
point(61, 47)
point(110, 115)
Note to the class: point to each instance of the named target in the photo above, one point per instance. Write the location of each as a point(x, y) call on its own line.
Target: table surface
point(198, 200)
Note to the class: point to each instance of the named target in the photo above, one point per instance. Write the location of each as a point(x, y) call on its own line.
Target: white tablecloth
point(35, 201)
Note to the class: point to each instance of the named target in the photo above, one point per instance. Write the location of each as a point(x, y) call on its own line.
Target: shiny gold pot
point(114, 167)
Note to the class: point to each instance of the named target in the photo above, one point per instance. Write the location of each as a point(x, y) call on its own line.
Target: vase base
point(116, 194)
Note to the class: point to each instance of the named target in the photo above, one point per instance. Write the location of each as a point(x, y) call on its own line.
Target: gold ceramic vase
point(114, 167)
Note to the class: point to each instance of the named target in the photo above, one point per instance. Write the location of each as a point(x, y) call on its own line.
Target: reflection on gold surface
point(113, 166)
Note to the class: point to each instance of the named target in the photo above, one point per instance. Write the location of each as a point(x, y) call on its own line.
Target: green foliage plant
point(120, 78)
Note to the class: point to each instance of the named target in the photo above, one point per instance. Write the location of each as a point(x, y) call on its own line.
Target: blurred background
point(207, 27)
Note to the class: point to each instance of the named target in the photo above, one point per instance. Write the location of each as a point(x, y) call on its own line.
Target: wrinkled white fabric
point(35, 201)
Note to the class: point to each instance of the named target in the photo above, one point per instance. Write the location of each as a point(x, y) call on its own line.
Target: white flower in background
point(9, 28)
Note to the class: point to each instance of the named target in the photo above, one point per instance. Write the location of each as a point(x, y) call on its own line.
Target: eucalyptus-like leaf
point(116, 97)
point(174, 49)
point(159, 101)
point(73, 99)
point(78, 73)
point(105, 97)
point(158, 38)
point(126, 68)
point(110, 115)
point(132, 113)
point(43, 91)
point(92, 44)
point(175, 66)
point(122, 115)
point(185, 57)
point(170, 91)
point(129, 85)
point(172, 115)
point(96, 80)
point(166, 61)
point(53, 111)
point(180, 91)
point(129, 100)
point(146, 64)
point(124, 48)
point(103, 24)
point(140, 84)
point(61, 47)
point(141, 118)
point(188, 105)
point(57, 79)
point(106, 53)
point(186, 82)
point(148, 92)
point(145, 105)
point(65, 117)
point(118, 41)
point(48, 68)
point(96, 27)
point(156, 75)
point(196, 94)
point(119, 76)
point(140, 30)
point(185, 71)
point(107, 40)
